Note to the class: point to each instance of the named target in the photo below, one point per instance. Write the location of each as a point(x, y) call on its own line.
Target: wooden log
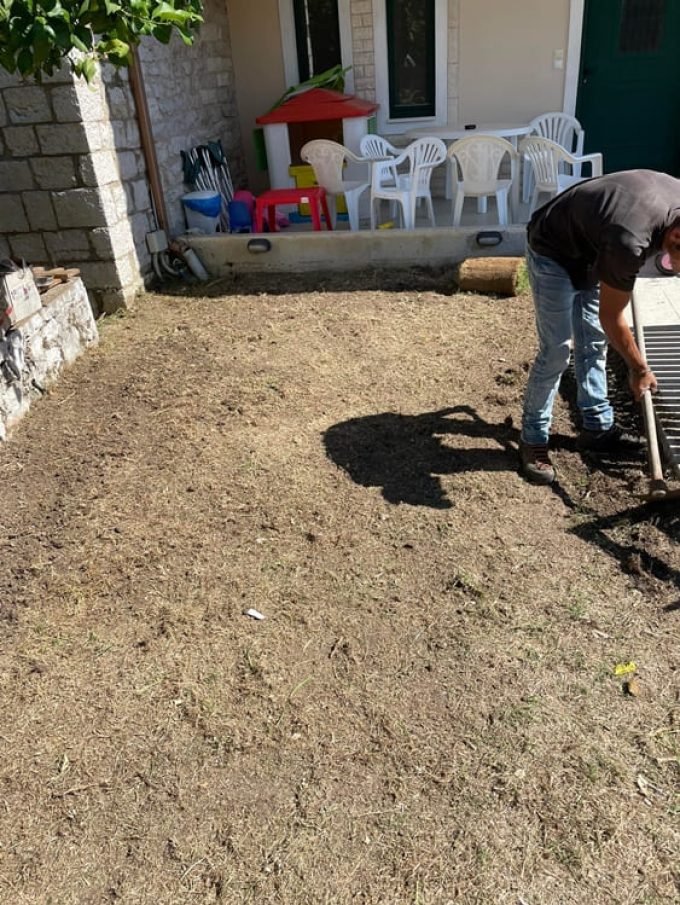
point(59, 274)
point(501, 276)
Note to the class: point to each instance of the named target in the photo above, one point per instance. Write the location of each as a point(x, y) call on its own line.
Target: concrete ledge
point(53, 338)
point(224, 255)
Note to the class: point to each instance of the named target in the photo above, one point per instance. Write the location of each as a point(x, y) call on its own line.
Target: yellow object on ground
point(304, 179)
point(624, 669)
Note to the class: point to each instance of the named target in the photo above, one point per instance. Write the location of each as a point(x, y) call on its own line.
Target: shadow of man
point(405, 454)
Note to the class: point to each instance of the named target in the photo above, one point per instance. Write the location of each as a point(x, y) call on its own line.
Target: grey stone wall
point(62, 197)
point(191, 97)
point(363, 53)
point(53, 338)
point(73, 182)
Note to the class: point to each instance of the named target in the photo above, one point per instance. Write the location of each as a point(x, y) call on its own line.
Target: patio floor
point(442, 213)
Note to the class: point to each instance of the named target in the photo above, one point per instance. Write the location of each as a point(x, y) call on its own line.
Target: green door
point(629, 91)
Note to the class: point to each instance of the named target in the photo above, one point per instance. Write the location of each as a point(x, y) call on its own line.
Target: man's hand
point(612, 306)
point(640, 383)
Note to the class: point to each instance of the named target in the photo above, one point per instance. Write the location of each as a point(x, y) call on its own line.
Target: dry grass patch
point(428, 712)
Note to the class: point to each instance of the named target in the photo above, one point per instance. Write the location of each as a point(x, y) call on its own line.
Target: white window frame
point(382, 84)
point(289, 46)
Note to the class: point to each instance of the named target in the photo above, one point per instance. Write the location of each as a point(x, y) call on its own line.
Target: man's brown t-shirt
point(603, 229)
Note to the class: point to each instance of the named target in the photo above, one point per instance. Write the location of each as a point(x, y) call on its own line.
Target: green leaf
point(114, 48)
point(78, 44)
point(7, 60)
point(85, 36)
point(86, 67)
point(162, 33)
point(37, 35)
point(166, 13)
point(25, 61)
point(62, 34)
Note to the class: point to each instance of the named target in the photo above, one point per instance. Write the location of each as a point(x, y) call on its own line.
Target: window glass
point(641, 25)
point(317, 34)
point(410, 54)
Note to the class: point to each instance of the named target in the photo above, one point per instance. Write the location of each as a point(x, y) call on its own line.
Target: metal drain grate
point(662, 346)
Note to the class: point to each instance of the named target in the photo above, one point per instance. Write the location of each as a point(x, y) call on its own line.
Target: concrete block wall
point(192, 100)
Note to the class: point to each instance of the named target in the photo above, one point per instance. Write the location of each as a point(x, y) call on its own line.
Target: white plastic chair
point(419, 160)
point(565, 131)
point(375, 147)
point(475, 165)
point(548, 162)
point(328, 160)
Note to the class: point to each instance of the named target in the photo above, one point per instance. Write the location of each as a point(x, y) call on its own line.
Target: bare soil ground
point(429, 712)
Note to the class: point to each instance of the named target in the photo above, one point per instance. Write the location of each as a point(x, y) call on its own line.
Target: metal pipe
point(148, 145)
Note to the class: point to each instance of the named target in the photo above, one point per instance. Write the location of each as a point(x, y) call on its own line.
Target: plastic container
point(240, 220)
point(202, 210)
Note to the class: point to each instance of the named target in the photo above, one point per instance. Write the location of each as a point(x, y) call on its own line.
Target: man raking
point(585, 249)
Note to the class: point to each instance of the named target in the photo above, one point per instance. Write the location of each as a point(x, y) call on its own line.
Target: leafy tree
point(37, 35)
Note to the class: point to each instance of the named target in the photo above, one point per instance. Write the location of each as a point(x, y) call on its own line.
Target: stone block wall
point(73, 182)
point(53, 338)
point(62, 197)
point(192, 100)
point(453, 63)
point(363, 53)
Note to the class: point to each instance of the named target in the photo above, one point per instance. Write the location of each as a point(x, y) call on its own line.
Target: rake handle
point(657, 485)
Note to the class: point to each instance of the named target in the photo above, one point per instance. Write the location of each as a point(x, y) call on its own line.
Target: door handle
point(587, 72)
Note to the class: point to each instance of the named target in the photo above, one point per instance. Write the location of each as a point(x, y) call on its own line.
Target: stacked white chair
point(412, 184)
point(564, 130)
point(475, 171)
point(549, 163)
point(328, 160)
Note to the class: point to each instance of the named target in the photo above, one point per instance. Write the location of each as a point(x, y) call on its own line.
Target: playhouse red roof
point(318, 104)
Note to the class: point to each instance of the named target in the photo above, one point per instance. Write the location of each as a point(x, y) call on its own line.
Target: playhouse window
point(317, 36)
point(411, 57)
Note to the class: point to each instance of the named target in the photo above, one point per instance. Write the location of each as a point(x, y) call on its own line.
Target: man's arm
point(612, 305)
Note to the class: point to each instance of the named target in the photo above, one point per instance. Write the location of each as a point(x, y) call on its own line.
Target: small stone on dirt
point(632, 687)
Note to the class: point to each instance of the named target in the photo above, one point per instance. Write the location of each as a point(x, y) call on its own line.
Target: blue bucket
point(202, 210)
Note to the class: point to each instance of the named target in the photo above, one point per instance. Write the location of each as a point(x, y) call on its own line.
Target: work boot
point(613, 441)
point(535, 463)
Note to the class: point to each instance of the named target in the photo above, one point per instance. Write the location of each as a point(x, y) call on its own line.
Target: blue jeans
point(565, 315)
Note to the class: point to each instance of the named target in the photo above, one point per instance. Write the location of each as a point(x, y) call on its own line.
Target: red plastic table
point(315, 197)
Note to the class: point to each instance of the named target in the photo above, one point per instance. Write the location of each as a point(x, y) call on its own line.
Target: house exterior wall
point(257, 87)
point(499, 58)
point(506, 59)
point(259, 72)
point(192, 99)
